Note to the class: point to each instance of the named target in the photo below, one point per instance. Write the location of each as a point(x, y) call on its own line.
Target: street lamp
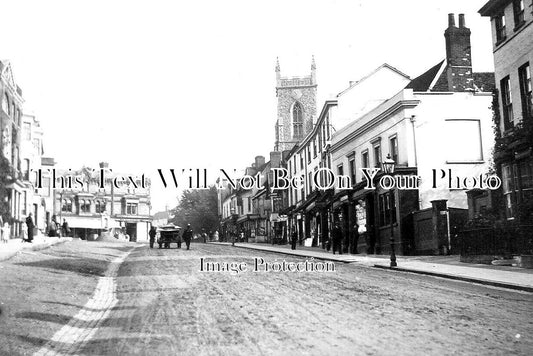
point(234, 220)
point(388, 167)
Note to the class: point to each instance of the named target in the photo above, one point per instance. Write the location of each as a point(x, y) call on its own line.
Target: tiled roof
point(483, 81)
point(423, 81)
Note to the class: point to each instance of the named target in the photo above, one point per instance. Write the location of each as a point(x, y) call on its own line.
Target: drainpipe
point(413, 120)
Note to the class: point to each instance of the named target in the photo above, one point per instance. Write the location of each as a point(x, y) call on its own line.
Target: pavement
point(14, 246)
point(438, 266)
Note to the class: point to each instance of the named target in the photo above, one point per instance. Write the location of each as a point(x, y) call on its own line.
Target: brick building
point(512, 37)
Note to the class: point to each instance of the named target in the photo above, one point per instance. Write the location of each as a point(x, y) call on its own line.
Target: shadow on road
point(83, 266)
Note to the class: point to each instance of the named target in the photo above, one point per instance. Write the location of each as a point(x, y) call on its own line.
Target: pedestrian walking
point(65, 230)
point(30, 226)
point(187, 236)
point(152, 234)
point(52, 227)
point(337, 238)
point(294, 239)
point(4, 231)
point(204, 236)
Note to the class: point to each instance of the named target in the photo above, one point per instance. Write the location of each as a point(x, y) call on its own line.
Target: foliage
point(198, 207)
point(4, 181)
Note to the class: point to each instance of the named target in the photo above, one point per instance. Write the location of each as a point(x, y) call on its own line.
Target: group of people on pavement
point(54, 229)
point(335, 243)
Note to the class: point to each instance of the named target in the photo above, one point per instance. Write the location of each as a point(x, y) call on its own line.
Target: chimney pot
point(451, 20)
point(461, 20)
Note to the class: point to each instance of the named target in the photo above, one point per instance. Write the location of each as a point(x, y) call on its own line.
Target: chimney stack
point(275, 159)
point(451, 20)
point(458, 56)
point(259, 161)
point(461, 20)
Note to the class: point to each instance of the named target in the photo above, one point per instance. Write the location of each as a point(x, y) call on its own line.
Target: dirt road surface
point(162, 304)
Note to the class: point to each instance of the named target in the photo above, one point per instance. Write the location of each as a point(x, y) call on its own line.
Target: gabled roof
point(384, 65)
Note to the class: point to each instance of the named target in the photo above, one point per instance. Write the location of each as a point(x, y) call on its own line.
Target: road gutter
point(461, 278)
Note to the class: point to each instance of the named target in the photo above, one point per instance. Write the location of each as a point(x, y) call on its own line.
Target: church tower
point(296, 107)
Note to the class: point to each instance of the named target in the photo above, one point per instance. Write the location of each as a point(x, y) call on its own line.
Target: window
point(310, 182)
point(352, 169)
point(66, 205)
point(131, 208)
point(5, 104)
point(27, 131)
point(297, 120)
point(524, 75)
point(364, 159)
point(26, 169)
point(386, 201)
point(393, 145)
point(518, 11)
point(99, 206)
point(308, 153)
point(85, 206)
point(507, 103)
point(508, 190)
point(500, 28)
point(526, 175)
point(340, 169)
point(314, 148)
point(377, 155)
point(466, 136)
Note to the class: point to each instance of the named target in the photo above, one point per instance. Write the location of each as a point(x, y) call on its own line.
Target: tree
point(198, 207)
point(5, 179)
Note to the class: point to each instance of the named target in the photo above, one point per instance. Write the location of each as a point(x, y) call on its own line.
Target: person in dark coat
point(52, 227)
point(30, 225)
point(65, 230)
point(337, 238)
point(152, 234)
point(187, 236)
point(294, 239)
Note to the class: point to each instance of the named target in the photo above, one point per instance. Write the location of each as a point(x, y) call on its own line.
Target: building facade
point(119, 208)
point(11, 110)
point(437, 128)
point(512, 37)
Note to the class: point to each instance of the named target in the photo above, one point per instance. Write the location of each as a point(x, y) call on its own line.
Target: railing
point(505, 241)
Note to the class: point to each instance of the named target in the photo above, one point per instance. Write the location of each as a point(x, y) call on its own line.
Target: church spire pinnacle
point(277, 64)
point(313, 65)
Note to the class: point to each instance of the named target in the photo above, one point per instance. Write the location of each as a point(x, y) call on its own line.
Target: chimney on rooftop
point(458, 56)
point(259, 161)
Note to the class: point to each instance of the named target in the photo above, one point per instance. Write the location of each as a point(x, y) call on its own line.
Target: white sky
point(179, 84)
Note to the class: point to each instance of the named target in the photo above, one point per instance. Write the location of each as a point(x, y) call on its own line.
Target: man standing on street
point(294, 239)
point(152, 234)
point(337, 238)
point(187, 235)
point(29, 224)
